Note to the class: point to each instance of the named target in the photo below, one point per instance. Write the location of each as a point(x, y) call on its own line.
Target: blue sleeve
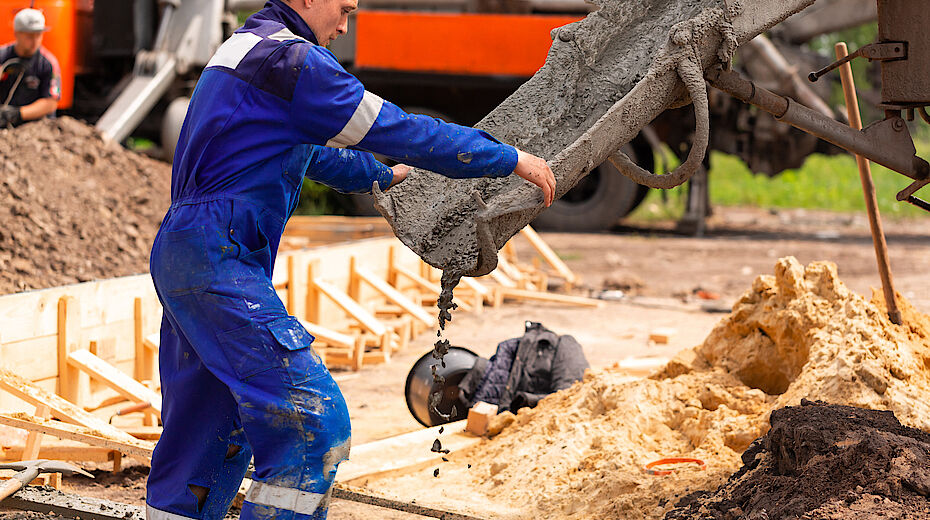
point(331, 107)
point(347, 171)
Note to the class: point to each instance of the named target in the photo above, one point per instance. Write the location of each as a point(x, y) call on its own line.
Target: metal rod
point(868, 190)
point(355, 495)
point(887, 142)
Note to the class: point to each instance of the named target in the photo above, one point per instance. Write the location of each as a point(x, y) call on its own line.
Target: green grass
point(823, 182)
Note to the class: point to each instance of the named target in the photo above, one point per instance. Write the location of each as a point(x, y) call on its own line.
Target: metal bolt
point(898, 124)
point(566, 36)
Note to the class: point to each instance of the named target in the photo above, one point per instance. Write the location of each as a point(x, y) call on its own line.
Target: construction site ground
point(660, 274)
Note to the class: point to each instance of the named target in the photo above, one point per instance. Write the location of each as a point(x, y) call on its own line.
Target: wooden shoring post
point(69, 337)
point(358, 355)
point(144, 369)
point(391, 272)
point(427, 286)
point(502, 279)
point(291, 285)
point(361, 274)
point(313, 294)
point(549, 256)
point(115, 379)
point(351, 307)
point(117, 461)
point(355, 286)
point(513, 273)
point(34, 439)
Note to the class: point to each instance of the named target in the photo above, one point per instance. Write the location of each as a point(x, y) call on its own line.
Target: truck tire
point(597, 202)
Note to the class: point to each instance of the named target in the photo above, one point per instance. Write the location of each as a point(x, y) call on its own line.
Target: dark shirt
point(41, 77)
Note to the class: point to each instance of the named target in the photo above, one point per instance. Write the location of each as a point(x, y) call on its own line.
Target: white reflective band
point(284, 35)
point(157, 514)
point(360, 123)
point(234, 49)
point(290, 499)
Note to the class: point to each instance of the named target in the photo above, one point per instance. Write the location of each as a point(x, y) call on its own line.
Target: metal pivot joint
point(887, 51)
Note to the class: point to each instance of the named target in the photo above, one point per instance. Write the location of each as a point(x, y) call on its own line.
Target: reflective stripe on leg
point(157, 514)
point(290, 499)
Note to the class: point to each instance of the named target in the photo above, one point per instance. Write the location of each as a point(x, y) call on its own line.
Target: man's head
point(28, 27)
point(328, 19)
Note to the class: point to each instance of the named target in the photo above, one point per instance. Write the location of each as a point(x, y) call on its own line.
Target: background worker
point(239, 377)
point(31, 88)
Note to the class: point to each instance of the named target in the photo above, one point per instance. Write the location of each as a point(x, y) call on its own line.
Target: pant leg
point(293, 415)
point(201, 424)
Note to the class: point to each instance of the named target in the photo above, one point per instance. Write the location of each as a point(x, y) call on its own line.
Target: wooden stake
point(34, 439)
point(868, 190)
point(69, 331)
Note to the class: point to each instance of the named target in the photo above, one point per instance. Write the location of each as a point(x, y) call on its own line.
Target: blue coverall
point(239, 377)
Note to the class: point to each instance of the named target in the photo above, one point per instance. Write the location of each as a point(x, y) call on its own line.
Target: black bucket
point(420, 385)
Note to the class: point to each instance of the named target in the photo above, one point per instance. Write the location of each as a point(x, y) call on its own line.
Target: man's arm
point(332, 107)
point(347, 171)
point(38, 109)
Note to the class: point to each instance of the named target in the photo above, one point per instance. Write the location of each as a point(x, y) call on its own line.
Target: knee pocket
point(282, 343)
point(292, 342)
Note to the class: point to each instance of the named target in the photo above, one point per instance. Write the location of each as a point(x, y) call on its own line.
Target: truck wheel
point(171, 125)
point(596, 203)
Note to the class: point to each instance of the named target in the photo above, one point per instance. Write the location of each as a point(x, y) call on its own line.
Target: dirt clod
point(825, 462)
point(74, 207)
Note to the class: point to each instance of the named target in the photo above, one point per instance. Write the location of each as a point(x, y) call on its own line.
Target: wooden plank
point(152, 341)
point(113, 378)
point(61, 409)
point(523, 294)
point(31, 356)
point(330, 337)
point(63, 430)
point(394, 296)
point(403, 452)
point(549, 255)
point(75, 453)
point(513, 273)
point(351, 307)
point(502, 279)
point(145, 433)
point(433, 288)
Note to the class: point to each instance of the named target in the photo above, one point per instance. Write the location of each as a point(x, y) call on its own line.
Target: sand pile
point(73, 207)
point(826, 462)
point(579, 454)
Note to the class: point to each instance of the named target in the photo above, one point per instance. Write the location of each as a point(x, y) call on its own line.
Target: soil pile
point(580, 453)
point(825, 462)
point(74, 208)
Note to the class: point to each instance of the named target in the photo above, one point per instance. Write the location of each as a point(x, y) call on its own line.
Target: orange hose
point(674, 460)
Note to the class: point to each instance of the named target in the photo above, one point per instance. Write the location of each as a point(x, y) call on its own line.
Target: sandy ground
point(739, 245)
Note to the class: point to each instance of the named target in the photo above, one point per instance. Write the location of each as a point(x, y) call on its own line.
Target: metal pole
point(868, 190)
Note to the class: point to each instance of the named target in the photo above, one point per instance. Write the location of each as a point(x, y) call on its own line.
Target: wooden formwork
point(71, 349)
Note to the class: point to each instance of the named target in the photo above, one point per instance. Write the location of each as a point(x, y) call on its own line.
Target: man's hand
point(400, 173)
point(10, 116)
point(535, 170)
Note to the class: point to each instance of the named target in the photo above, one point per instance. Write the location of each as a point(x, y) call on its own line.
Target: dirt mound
point(802, 334)
point(825, 462)
point(580, 453)
point(74, 208)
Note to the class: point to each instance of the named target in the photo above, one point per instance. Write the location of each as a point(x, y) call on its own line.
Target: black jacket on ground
point(526, 369)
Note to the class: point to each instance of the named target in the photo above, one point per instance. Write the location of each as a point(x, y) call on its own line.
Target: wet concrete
point(605, 77)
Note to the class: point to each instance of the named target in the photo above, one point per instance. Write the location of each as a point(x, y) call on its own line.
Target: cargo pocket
point(247, 351)
point(298, 358)
point(183, 265)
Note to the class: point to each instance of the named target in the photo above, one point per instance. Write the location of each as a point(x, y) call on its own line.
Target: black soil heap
point(821, 462)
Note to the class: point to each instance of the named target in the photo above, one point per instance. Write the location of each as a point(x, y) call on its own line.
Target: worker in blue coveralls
point(239, 376)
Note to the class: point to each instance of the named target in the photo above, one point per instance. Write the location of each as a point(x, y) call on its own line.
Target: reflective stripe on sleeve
point(157, 514)
point(234, 49)
point(360, 123)
point(290, 499)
